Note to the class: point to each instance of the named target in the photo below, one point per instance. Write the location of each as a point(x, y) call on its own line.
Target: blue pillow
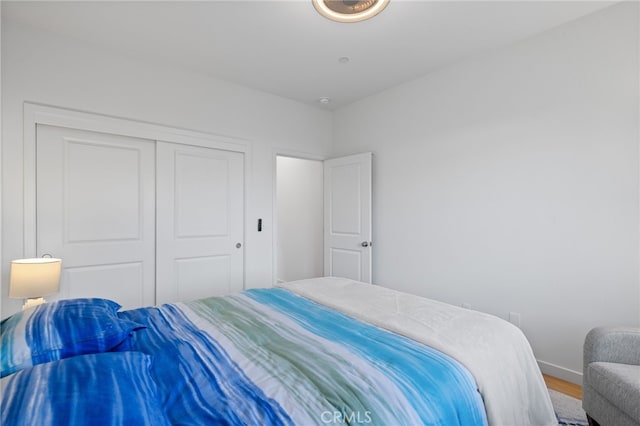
point(61, 329)
point(113, 388)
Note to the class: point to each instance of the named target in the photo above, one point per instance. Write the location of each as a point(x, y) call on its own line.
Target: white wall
point(510, 182)
point(300, 218)
point(46, 68)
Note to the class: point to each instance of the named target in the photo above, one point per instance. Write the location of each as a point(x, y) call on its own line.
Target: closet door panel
point(115, 282)
point(200, 216)
point(198, 277)
point(96, 211)
point(202, 194)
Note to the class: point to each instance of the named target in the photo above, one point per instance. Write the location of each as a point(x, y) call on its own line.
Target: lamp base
point(31, 302)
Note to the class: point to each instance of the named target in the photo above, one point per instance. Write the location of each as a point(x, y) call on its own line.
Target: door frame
point(282, 152)
point(35, 114)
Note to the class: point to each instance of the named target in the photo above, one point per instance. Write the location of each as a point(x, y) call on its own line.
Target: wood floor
point(561, 386)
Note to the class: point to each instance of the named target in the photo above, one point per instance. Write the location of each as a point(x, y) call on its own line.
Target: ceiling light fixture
point(324, 100)
point(349, 10)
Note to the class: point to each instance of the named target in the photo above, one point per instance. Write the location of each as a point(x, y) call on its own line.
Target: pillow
point(59, 330)
point(113, 388)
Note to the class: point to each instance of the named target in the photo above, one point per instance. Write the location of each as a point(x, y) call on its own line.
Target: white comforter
point(493, 350)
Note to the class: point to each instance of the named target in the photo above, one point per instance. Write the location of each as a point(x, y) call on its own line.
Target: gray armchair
point(611, 381)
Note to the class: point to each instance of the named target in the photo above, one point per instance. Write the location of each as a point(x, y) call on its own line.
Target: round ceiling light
point(349, 10)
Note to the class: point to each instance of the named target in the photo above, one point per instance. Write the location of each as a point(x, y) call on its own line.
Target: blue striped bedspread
point(270, 357)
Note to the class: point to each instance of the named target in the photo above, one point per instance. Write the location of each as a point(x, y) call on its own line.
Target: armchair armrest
point(612, 344)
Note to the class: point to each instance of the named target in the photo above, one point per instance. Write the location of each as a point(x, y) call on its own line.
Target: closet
point(139, 221)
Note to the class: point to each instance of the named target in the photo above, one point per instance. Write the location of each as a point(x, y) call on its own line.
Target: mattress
point(495, 351)
point(312, 352)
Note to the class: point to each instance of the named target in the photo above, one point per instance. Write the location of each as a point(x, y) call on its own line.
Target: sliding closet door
point(96, 211)
point(200, 216)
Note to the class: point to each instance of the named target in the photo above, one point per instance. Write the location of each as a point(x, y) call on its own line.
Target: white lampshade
point(34, 277)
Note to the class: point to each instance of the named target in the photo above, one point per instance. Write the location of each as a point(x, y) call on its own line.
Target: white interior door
point(347, 217)
point(200, 217)
point(96, 211)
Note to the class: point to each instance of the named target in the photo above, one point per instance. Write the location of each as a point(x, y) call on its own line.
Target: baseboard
point(560, 372)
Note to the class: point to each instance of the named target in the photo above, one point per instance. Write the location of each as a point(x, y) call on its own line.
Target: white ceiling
point(288, 49)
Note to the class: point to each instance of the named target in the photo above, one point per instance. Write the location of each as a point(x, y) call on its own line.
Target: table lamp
point(32, 279)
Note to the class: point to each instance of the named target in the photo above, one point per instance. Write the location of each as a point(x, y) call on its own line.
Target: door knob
point(365, 244)
point(238, 245)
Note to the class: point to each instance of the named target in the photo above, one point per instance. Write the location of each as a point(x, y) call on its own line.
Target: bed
point(311, 352)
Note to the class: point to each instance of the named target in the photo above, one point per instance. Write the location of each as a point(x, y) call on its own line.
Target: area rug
point(568, 410)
